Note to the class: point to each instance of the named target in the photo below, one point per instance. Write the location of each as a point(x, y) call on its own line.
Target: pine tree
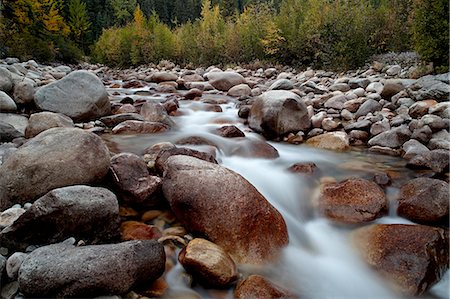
point(78, 20)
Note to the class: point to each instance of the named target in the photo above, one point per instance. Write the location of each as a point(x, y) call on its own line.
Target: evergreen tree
point(78, 21)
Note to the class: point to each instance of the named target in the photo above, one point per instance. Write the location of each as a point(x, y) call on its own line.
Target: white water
point(319, 262)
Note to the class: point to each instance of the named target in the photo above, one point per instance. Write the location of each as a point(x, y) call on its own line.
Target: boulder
point(19, 122)
point(429, 88)
point(39, 122)
point(208, 263)
point(23, 93)
point(140, 127)
point(223, 81)
point(413, 257)
point(114, 120)
point(62, 270)
point(393, 138)
point(6, 83)
point(80, 95)
point(201, 193)
point(424, 200)
point(239, 90)
point(413, 148)
point(159, 77)
point(335, 141)
point(353, 201)
point(133, 181)
point(278, 112)
point(6, 103)
point(391, 88)
point(166, 153)
point(256, 286)
point(55, 158)
point(230, 132)
point(8, 132)
point(281, 84)
point(83, 212)
point(155, 112)
point(436, 160)
point(369, 106)
point(7, 217)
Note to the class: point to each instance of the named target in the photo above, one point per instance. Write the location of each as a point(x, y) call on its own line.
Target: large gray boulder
point(278, 112)
point(225, 80)
point(55, 158)
point(62, 270)
point(213, 201)
point(6, 103)
point(83, 212)
point(8, 132)
point(80, 95)
point(6, 83)
point(429, 88)
point(393, 138)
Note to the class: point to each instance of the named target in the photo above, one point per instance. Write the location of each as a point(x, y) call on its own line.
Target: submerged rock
point(88, 271)
point(412, 257)
point(201, 193)
point(256, 286)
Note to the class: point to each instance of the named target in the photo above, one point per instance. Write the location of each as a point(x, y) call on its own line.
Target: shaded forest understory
point(333, 34)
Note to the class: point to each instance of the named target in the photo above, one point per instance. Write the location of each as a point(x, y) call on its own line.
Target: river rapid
point(320, 262)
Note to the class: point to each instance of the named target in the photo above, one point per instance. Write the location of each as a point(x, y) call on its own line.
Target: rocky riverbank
point(80, 218)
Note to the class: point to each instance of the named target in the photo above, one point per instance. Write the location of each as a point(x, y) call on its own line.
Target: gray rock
point(359, 125)
point(336, 102)
point(429, 88)
point(329, 124)
point(10, 290)
point(80, 95)
point(391, 88)
point(159, 77)
point(375, 87)
point(316, 120)
point(239, 90)
point(23, 92)
point(394, 70)
point(393, 138)
point(39, 122)
point(19, 122)
point(155, 112)
point(434, 122)
point(441, 109)
point(413, 148)
point(422, 134)
point(436, 160)
point(55, 158)
point(8, 132)
point(344, 87)
point(13, 264)
point(380, 127)
point(114, 120)
point(278, 112)
point(10, 215)
point(87, 213)
point(355, 83)
point(6, 83)
point(225, 80)
point(6, 103)
point(282, 84)
point(369, 106)
point(66, 271)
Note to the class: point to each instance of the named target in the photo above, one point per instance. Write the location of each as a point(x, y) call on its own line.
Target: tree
point(78, 20)
point(123, 10)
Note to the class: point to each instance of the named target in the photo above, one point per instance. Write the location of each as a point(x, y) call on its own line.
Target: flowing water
point(319, 262)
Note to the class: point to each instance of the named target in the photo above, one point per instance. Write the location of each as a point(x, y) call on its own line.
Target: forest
point(333, 34)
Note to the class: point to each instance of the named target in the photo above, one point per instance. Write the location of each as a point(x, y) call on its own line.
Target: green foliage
point(123, 10)
point(430, 29)
point(78, 21)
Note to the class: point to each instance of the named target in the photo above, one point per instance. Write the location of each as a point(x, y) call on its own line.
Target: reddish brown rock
point(193, 93)
point(132, 84)
point(255, 149)
point(213, 201)
point(139, 127)
point(126, 108)
point(306, 168)
point(424, 200)
point(230, 132)
point(208, 263)
point(131, 177)
point(133, 230)
point(337, 141)
point(353, 201)
point(412, 257)
point(256, 286)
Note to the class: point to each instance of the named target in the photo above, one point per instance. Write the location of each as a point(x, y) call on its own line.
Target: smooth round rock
point(39, 122)
point(6, 103)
